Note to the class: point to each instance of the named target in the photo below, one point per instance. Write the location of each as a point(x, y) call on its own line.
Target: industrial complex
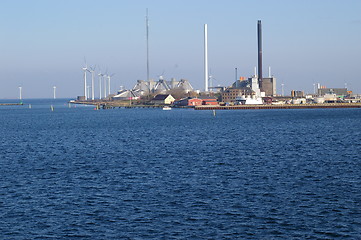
point(253, 90)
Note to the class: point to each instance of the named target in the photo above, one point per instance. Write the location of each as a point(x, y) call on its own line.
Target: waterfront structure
point(280, 106)
point(188, 102)
point(296, 93)
point(162, 86)
point(254, 88)
point(198, 101)
point(253, 83)
point(269, 86)
point(248, 100)
point(163, 99)
point(208, 100)
point(230, 94)
point(126, 95)
point(341, 92)
point(245, 89)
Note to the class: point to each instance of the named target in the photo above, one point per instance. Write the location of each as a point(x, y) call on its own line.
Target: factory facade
point(250, 87)
point(336, 91)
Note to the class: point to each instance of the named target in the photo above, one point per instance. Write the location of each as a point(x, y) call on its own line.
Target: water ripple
point(147, 174)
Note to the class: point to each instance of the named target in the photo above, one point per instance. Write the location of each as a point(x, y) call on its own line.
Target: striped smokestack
point(259, 34)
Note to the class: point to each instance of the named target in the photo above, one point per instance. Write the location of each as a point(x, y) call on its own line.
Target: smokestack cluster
point(259, 34)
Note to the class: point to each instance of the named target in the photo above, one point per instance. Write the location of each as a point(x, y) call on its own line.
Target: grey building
point(162, 86)
point(269, 86)
point(337, 91)
point(296, 93)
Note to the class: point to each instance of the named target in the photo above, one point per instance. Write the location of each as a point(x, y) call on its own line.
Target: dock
point(10, 104)
point(281, 106)
point(116, 104)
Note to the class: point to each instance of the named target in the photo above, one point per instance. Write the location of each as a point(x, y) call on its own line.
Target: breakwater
point(10, 104)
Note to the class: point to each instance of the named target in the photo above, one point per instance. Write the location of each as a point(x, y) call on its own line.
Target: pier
point(116, 104)
point(10, 104)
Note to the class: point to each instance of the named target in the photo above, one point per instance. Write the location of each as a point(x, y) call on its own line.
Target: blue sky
point(43, 42)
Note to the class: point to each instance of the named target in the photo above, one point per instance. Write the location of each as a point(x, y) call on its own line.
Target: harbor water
point(73, 172)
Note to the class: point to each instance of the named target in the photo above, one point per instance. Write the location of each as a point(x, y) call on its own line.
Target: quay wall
point(283, 106)
point(115, 104)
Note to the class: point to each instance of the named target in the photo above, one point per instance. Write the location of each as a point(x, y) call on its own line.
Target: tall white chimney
point(205, 58)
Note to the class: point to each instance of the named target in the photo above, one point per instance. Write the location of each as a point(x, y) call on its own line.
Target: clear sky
point(43, 42)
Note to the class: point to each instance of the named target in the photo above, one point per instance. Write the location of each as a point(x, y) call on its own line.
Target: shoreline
point(116, 104)
point(283, 106)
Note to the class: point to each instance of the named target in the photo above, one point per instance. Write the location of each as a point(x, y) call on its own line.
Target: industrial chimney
point(259, 34)
point(206, 58)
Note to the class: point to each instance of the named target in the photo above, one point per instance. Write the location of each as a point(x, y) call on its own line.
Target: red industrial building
point(208, 100)
point(189, 102)
point(203, 100)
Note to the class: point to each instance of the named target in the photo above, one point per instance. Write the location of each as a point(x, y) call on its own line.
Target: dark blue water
point(77, 173)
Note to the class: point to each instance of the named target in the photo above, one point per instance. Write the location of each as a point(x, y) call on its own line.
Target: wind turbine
point(109, 76)
point(105, 75)
point(20, 92)
point(85, 69)
point(92, 70)
point(54, 93)
point(105, 84)
point(88, 90)
point(100, 84)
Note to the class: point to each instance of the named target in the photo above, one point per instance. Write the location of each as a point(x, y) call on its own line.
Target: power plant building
point(337, 91)
point(269, 86)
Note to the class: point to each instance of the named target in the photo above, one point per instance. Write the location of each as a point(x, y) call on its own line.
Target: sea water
point(80, 173)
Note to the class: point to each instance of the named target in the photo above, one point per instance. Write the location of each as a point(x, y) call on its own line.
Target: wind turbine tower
point(109, 76)
point(54, 92)
point(20, 92)
point(100, 84)
point(85, 69)
point(206, 58)
point(92, 70)
point(105, 84)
